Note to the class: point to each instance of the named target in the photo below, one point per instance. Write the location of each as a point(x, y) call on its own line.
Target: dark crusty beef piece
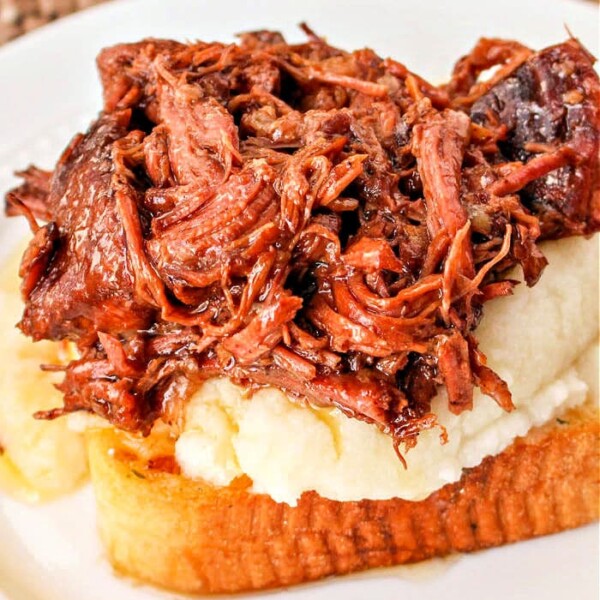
point(550, 106)
point(300, 216)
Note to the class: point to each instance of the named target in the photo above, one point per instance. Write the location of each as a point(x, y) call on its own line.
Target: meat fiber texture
point(299, 216)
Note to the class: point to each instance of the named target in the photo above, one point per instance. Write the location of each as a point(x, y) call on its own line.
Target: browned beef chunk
point(88, 284)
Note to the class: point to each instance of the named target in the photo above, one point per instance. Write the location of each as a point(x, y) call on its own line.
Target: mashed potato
point(39, 459)
point(543, 341)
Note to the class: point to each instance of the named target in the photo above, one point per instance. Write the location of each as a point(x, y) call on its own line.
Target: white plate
point(49, 90)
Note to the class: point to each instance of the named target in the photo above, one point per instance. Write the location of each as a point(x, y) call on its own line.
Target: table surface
point(20, 16)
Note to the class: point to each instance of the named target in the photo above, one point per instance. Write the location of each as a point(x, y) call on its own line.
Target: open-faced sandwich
point(324, 315)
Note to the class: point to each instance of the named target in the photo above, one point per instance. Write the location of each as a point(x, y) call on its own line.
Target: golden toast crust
point(187, 536)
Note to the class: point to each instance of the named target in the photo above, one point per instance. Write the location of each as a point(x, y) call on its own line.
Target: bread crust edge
point(187, 536)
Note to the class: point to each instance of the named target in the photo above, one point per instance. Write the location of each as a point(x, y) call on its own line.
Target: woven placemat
point(20, 16)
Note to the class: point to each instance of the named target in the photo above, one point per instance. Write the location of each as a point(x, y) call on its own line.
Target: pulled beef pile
point(323, 221)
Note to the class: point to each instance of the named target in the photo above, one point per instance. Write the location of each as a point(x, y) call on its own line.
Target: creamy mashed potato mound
point(543, 341)
point(39, 459)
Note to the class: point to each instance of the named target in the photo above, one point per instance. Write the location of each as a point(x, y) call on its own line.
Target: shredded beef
point(323, 221)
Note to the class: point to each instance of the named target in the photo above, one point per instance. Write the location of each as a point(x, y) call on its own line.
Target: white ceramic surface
point(49, 90)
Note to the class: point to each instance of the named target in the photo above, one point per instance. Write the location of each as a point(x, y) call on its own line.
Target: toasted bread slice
point(188, 536)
